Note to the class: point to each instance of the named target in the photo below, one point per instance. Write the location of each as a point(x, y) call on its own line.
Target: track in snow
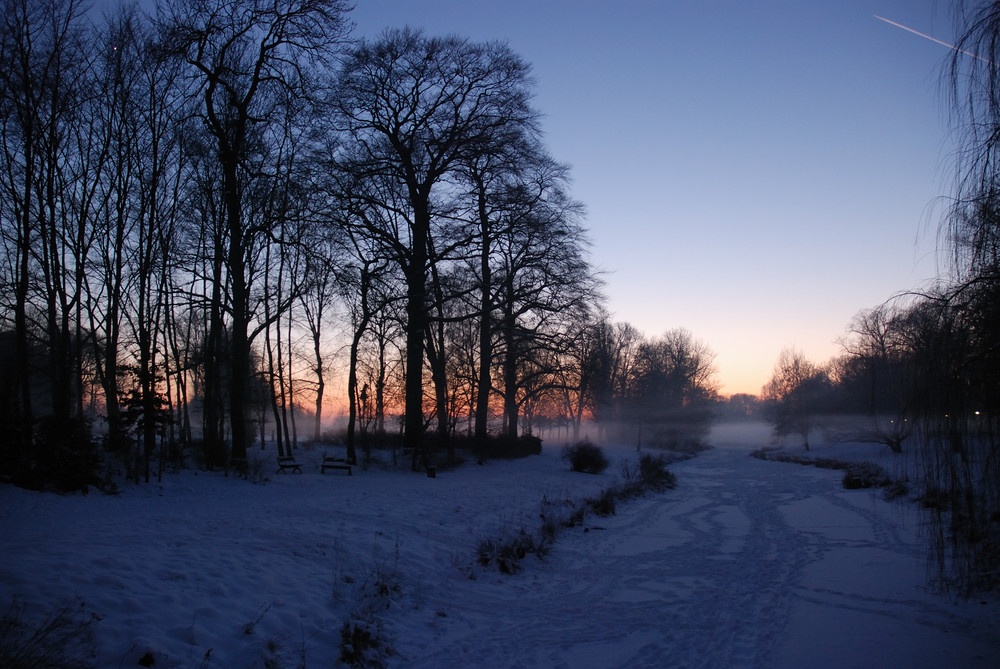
point(712, 574)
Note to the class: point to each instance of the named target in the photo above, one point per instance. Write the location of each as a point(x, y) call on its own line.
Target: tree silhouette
point(413, 107)
point(794, 395)
point(247, 58)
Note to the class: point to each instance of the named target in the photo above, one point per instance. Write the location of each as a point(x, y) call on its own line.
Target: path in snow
point(746, 564)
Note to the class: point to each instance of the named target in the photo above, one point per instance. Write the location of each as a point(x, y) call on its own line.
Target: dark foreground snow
point(745, 564)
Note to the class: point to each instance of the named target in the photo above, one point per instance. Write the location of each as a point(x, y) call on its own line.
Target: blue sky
point(755, 172)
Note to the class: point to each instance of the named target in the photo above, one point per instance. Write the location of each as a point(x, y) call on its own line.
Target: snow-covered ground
point(746, 563)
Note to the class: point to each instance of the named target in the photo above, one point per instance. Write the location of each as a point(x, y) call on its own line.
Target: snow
point(746, 563)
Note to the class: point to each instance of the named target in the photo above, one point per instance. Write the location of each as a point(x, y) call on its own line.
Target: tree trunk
point(416, 331)
point(240, 344)
point(291, 385)
point(510, 376)
point(352, 396)
point(272, 399)
point(438, 359)
point(352, 375)
point(380, 383)
point(320, 385)
point(485, 318)
point(22, 360)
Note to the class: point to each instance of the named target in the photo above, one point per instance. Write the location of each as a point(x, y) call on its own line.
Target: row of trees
point(659, 391)
point(911, 359)
point(200, 208)
point(151, 191)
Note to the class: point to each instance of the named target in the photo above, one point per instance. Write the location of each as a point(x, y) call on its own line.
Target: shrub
point(650, 474)
point(499, 447)
point(361, 644)
point(605, 505)
point(654, 474)
point(576, 518)
point(61, 639)
point(363, 639)
point(507, 551)
point(65, 457)
point(865, 475)
point(585, 457)
point(895, 490)
point(857, 475)
point(934, 498)
point(508, 449)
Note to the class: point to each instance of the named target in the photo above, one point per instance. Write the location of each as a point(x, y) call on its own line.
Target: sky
point(755, 172)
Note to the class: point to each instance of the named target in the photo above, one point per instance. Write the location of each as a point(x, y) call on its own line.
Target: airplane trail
point(934, 39)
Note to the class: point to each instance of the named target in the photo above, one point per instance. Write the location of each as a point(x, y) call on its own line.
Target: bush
point(62, 639)
point(650, 474)
point(361, 644)
point(585, 457)
point(654, 474)
point(64, 458)
point(895, 490)
point(606, 504)
point(499, 447)
point(363, 638)
point(507, 550)
point(509, 449)
point(857, 475)
point(865, 475)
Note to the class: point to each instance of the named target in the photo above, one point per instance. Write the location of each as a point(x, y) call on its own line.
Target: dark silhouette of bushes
point(505, 448)
point(62, 639)
point(585, 457)
point(63, 457)
point(508, 549)
point(654, 475)
point(857, 475)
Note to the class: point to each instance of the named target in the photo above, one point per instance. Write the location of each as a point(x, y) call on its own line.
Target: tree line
point(203, 207)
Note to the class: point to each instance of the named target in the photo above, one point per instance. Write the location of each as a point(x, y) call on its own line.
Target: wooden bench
point(334, 463)
point(288, 464)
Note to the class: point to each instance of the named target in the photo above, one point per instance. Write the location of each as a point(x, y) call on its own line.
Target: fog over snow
point(745, 563)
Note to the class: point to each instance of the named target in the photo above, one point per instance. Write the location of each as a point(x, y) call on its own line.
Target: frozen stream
point(746, 564)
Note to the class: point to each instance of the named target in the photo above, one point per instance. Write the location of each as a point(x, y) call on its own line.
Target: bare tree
point(608, 365)
point(794, 395)
point(498, 183)
point(876, 372)
point(413, 106)
point(245, 56)
point(315, 302)
point(543, 284)
point(46, 211)
point(671, 390)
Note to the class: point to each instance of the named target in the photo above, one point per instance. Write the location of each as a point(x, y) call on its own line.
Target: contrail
point(934, 39)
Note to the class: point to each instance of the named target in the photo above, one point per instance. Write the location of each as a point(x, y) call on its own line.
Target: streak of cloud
point(934, 39)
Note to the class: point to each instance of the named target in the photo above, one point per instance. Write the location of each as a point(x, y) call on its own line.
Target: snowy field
point(745, 564)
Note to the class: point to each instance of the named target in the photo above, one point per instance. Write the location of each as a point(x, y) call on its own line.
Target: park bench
point(330, 462)
point(287, 464)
